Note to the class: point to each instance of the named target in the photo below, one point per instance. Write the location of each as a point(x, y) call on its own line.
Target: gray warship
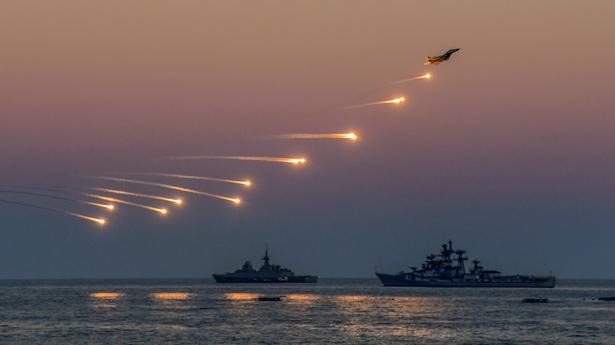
point(448, 270)
point(268, 273)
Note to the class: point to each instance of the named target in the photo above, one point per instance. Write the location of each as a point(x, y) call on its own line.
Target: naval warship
point(448, 270)
point(268, 273)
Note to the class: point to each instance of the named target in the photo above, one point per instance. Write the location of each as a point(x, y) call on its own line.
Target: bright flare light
point(351, 136)
point(191, 177)
point(100, 221)
point(125, 202)
point(246, 158)
point(396, 101)
point(109, 207)
point(424, 76)
point(168, 186)
point(139, 195)
point(298, 161)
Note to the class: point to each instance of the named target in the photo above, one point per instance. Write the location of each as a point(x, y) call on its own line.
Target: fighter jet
point(435, 60)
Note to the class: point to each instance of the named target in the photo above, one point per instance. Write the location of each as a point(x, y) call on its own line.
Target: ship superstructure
point(267, 273)
point(447, 269)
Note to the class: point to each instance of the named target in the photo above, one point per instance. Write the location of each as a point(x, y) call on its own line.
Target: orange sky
point(525, 111)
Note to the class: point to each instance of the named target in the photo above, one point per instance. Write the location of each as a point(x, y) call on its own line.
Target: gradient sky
point(508, 150)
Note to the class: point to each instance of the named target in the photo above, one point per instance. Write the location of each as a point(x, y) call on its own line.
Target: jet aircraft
point(436, 60)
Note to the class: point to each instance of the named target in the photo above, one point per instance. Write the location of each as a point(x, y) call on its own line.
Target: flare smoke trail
point(352, 136)
point(101, 197)
point(424, 76)
point(295, 161)
point(396, 101)
point(168, 186)
point(140, 195)
point(100, 221)
point(125, 202)
point(190, 177)
point(108, 207)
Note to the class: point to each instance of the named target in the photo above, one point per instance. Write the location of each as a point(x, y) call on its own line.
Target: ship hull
point(223, 278)
point(396, 280)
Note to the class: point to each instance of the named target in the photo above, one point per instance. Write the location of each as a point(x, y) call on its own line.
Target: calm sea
point(339, 311)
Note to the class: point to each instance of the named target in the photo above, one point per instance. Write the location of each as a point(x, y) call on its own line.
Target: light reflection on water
point(350, 299)
point(106, 295)
point(327, 312)
point(302, 298)
point(397, 317)
point(293, 298)
point(105, 299)
point(241, 296)
point(171, 296)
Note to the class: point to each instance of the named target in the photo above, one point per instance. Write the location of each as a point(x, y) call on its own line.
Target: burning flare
point(396, 101)
point(424, 76)
point(351, 135)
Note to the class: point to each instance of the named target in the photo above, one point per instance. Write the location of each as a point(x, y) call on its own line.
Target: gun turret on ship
point(268, 273)
point(447, 269)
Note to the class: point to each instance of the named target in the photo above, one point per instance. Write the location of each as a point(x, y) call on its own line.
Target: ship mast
point(266, 257)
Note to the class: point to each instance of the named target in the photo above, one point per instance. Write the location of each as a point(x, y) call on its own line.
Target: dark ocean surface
point(343, 311)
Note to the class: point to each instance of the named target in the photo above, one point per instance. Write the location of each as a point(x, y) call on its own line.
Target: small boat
point(269, 298)
point(607, 299)
point(535, 300)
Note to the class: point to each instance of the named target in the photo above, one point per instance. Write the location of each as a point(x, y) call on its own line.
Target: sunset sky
point(509, 150)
